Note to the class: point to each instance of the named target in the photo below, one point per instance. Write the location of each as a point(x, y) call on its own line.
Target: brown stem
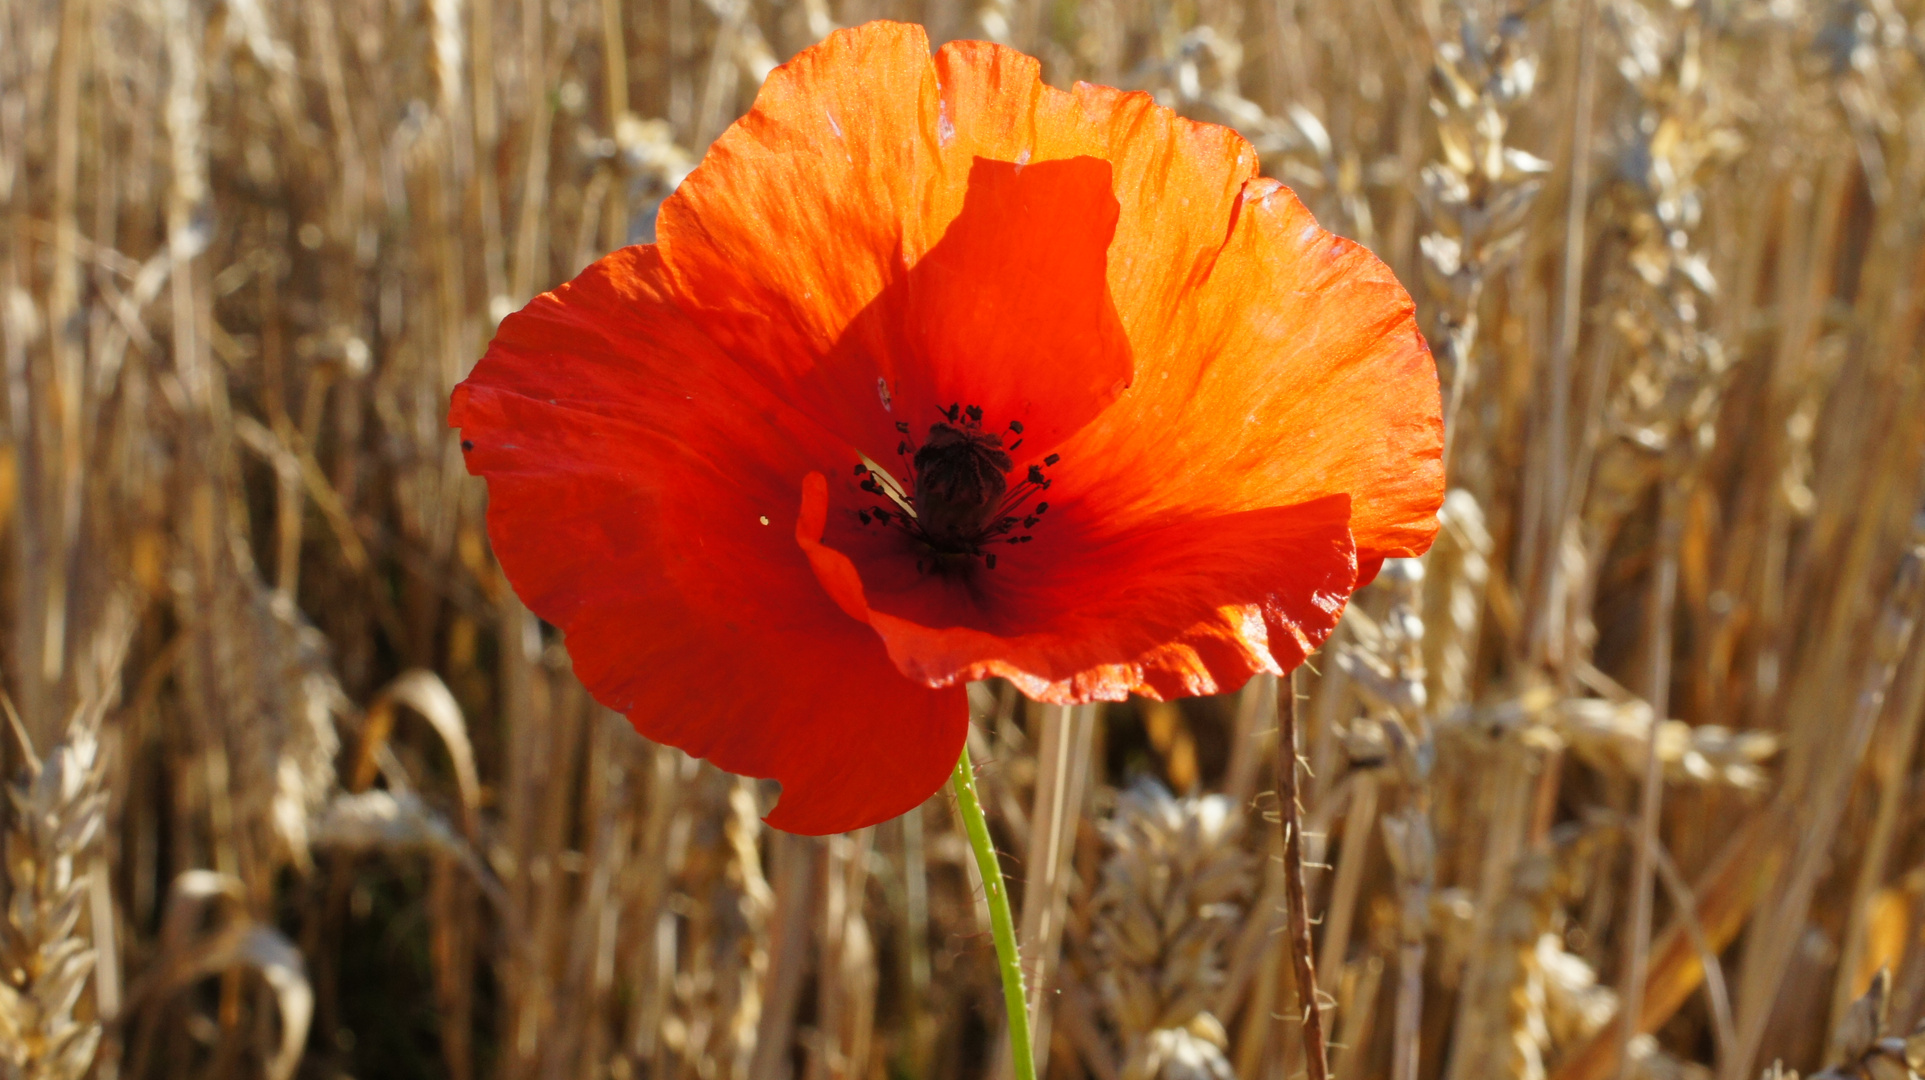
point(1547, 640)
point(1290, 815)
point(1663, 604)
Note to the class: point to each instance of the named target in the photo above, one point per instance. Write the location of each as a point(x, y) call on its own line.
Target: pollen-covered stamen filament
point(957, 498)
point(899, 507)
point(1006, 519)
point(1036, 481)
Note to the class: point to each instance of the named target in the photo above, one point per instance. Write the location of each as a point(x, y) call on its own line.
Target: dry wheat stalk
point(1662, 412)
point(1504, 880)
point(1507, 1034)
point(726, 904)
point(1664, 409)
point(1384, 661)
point(206, 930)
point(1458, 570)
point(846, 972)
point(1478, 194)
point(1479, 191)
point(1903, 606)
point(1056, 810)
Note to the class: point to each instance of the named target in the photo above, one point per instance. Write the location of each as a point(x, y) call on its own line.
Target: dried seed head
point(58, 810)
point(265, 696)
point(727, 902)
point(1172, 891)
point(1612, 737)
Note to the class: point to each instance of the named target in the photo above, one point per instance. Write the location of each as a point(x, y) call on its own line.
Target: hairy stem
point(1002, 926)
point(1290, 814)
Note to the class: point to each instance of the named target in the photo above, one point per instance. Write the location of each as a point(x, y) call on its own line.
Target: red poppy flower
point(937, 373)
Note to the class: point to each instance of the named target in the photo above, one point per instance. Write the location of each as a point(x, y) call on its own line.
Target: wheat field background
point(300, 789)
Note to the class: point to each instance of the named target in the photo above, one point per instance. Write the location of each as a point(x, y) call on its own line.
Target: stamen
point(954, 498)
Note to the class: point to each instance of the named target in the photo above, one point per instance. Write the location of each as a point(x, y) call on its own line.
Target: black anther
point(1041, 508)
point(1052, 459)
point(902, 426)
point(467, 445)
point(1016, 426)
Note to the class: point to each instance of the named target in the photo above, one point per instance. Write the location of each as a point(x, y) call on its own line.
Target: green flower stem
point(1002, 927)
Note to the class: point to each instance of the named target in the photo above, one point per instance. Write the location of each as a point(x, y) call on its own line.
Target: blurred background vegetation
point(299, 788)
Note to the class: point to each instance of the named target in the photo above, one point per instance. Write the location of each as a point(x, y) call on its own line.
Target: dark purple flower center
point(958, 499)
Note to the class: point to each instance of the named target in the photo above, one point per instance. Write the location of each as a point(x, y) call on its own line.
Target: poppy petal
point(1177, 181)
point(1190, 607)
point(792, 223)
point(1277, 362)
point(642, 497)
point(1296, 371)
point(874, 241)
point(1010, 311)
